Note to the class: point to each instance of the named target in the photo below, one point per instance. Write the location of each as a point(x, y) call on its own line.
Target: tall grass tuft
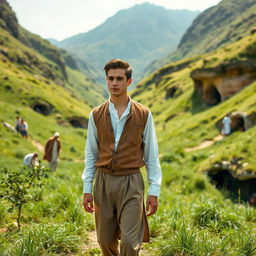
point(183, 242)
point(246, 243)
point(46, 238)
point(209, 215)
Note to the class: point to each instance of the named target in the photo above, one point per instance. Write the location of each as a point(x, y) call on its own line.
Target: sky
point(59, 19)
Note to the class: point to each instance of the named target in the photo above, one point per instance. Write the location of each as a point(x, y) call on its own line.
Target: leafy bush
point(16, 186)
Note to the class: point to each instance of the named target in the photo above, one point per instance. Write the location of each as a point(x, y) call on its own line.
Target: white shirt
point(55, 151)
point(151, 159)
point(29, 161)
point(226, 125)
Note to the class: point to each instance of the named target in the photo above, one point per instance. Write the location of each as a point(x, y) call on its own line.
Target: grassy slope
point(193, 218)
point(21, 86)
point(193, 123)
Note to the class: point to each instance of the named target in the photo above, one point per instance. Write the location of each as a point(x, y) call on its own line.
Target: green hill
point(218, 25)
point(139, 34)
point(194, 218)
point(184, 121)
point(42, 84)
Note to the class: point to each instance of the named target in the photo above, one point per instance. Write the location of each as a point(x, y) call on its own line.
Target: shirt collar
point(112, 105)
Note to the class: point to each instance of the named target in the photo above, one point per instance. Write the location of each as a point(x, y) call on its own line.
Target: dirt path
point(93, 244)
point(37, 144)
point(205, 144)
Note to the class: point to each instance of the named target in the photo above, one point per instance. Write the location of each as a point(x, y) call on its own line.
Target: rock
point(10, 127)
point(253, 31)
point(215, 85)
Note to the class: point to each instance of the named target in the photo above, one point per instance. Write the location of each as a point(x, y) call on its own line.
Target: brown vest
point(128, 157)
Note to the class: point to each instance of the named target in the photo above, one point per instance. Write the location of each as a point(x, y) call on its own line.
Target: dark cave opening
point(42, 109)
point(211, 95)
point(239, 190)
point(237, 123)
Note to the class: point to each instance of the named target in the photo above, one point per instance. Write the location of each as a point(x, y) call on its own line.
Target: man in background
point(52, 150)
point(226, 125)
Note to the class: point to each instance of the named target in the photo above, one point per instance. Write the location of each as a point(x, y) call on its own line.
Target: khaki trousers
point(118, 204)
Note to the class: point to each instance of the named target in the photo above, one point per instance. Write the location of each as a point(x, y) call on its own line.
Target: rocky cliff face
point(215, 85)
point(217, 26)
point(8, 20)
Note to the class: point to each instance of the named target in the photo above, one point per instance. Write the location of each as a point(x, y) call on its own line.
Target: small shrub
point(182, 243)
point(16, 186)
point(168, 158)
point(20, 153)
point(206, 213)
point(210, 216)
point(72, 149)
point(200, 183)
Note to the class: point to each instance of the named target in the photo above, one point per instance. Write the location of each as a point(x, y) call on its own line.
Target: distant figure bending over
point(226, 125)
point(52, 150)
point(121, 139)
point(31, 160)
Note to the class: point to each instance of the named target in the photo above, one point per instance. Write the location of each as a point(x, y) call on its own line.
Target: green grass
point(194, 218)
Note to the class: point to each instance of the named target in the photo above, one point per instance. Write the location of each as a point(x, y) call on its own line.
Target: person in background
point(18, 124)
point(52, 150)
point(226, 125)
point(24, 129)
point(31, 160)
point(121, 139)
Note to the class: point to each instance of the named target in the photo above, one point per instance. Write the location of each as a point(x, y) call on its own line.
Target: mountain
point(139, 35)
point(59, 64)
point(219, 25)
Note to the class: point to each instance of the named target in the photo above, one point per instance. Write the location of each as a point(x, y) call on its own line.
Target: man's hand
point(88, 203)
point(151, 205)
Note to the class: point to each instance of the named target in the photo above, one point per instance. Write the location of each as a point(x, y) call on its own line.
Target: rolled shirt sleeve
point(91, 154)
point(151, 159)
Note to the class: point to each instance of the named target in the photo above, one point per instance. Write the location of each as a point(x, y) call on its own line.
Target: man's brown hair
point(117, 63)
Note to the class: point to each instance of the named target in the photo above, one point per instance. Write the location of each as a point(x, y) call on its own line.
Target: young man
point(52, 150)
point(121, 139)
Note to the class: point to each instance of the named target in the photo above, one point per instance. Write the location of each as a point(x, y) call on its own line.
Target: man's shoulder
point(100, 107)
point(140, 107)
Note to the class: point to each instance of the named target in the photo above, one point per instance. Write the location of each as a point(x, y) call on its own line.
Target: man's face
point(117, 82)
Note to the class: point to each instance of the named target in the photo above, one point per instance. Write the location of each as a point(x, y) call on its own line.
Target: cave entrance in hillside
point(237, 123)
point(238, 189)
point(170, 92)
point(42, 108)
point(211, 95)
point(78, 122)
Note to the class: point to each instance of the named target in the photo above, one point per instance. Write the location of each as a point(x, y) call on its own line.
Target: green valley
point(209, 180)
